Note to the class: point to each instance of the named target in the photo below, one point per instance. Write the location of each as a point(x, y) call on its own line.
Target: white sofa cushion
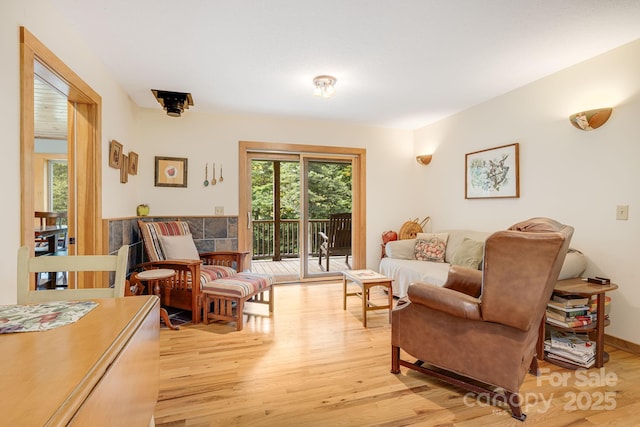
point(401, 249)
point(405, 271)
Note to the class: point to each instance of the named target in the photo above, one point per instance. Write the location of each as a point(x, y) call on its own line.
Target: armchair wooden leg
point(395, 359)
point(533, 368)
point(513, 400)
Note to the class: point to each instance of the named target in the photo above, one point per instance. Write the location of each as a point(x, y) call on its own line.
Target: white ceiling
point(399, 63)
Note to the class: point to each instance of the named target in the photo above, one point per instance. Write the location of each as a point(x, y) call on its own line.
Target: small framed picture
point(124, 170)
point(171, 172)
point(115, 154)
point(492, 173)
point(133, 163)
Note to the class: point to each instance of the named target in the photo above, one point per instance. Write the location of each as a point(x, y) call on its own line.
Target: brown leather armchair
point(483, 325)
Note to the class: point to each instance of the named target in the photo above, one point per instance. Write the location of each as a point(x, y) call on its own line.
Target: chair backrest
point(520, 269)
point(339, 230)
point(28, 265)
point(150, 231)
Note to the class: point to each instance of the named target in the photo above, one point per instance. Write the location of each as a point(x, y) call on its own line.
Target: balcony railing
point(264, 238)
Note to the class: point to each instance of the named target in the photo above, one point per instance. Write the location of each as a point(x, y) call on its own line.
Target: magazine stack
point(569, 347)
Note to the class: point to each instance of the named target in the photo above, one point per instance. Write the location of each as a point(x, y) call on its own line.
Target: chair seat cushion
point(241, 285)
point(209, 273)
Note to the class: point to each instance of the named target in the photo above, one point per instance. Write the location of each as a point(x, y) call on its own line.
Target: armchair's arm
point(465, 280)
point(446, 300)
point(323, 235)
point(174, 264)
point(225, 258)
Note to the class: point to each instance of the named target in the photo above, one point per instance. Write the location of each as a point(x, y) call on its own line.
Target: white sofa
point(401, 265)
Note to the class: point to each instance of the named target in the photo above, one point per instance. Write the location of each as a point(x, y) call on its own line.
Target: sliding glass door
point(288, 200)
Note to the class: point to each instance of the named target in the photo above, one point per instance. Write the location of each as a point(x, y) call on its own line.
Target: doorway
point(84, 108)
point(287, 193)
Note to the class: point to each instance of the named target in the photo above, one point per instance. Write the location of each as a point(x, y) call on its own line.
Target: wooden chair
point(337, 240)
point(191, 267)
point(28, 265)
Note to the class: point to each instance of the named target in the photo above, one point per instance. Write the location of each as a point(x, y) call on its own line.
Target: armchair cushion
point(209, 273)
point(179, 247)
point(445, 300)
point(464, 279)
point(151, 230)
point(241, 285)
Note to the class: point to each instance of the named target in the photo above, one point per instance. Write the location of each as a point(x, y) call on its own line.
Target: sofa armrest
point(445, 300)
point(465, 280)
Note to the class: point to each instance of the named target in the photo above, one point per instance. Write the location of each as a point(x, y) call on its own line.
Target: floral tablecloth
point(41, 317)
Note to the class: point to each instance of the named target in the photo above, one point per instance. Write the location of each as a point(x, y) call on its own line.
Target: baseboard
point(622, 344)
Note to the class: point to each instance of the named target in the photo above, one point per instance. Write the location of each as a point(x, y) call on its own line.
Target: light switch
point(219, 210)
point(622, 212)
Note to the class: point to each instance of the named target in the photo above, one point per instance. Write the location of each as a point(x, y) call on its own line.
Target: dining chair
point(28, 265)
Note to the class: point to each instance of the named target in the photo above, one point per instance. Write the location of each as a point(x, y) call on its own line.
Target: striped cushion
point(151, 230)
point(241, 285)
point(209, 273)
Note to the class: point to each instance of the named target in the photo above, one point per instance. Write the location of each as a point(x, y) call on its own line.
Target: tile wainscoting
point(214, 233)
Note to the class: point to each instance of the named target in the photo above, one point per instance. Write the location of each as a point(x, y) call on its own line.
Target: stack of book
point(569, 312)
point(593, 307)
point(570, 347)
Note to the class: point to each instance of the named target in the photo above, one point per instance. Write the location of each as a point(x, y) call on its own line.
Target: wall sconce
point(424, 159)
point(324, 86)
point(590, 120)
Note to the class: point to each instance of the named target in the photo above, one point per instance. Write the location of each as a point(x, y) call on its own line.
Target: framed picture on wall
point(115, 154)
point(133, 163)
point(171, 172)
point(492, 173)
point(124, 170)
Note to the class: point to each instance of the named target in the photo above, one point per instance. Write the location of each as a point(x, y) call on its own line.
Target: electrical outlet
point(219, 210)
point(622, 212)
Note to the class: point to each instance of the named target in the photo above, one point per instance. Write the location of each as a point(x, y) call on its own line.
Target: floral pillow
point(431, 246)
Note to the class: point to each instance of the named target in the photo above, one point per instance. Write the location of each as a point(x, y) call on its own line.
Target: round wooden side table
point(154, 278)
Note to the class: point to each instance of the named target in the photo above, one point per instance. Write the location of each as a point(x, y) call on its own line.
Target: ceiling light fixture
point(590, 120)
point(173, 102)
point(324, 86)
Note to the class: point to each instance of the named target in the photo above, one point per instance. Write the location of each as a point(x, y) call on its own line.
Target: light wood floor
point(313, 364)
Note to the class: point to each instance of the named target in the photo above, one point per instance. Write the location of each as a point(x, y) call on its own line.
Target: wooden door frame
point(82, 98)
point(358, 156)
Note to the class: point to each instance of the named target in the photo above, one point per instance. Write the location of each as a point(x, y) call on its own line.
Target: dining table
point(51, 233)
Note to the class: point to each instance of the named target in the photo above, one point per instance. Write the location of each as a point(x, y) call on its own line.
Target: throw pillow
point(179, 247)
point(468, 254)
point(430, 246)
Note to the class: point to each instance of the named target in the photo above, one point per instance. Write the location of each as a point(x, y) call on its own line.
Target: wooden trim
point(82, 97)
point(622, 344)
point(358, 158)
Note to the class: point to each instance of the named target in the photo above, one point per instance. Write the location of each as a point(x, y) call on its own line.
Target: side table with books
point(576, 311)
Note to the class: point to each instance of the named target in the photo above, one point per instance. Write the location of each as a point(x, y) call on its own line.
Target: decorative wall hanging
point(124, 170)
point(171, 172)
point(115, 154)
point(492, 173)
point(133, 163)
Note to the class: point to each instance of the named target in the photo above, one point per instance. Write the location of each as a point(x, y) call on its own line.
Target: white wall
point(573, 176)
point(118, 113)
point(211, 138)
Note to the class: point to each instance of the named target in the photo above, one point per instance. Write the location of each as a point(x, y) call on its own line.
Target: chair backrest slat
point(28, 265)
